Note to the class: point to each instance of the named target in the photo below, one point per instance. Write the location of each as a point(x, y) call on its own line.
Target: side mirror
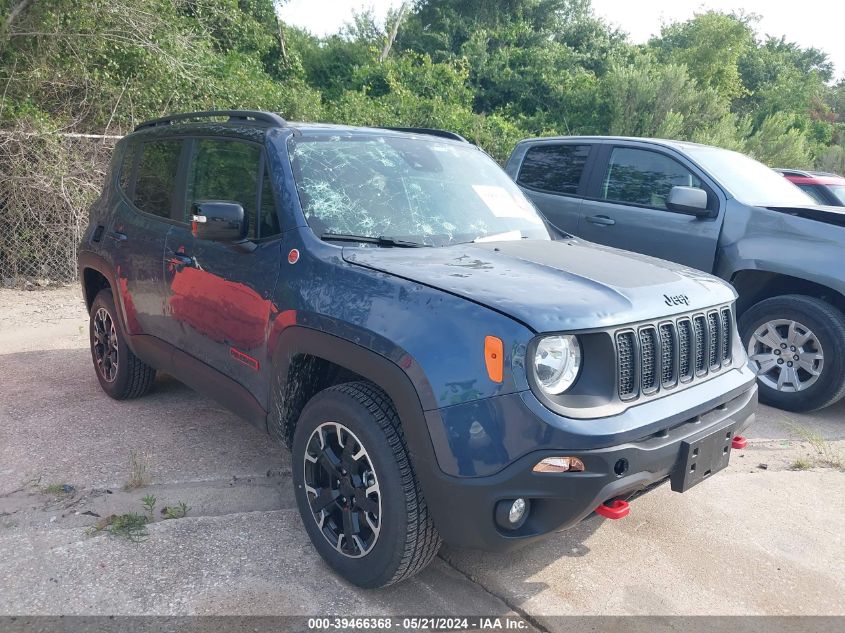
point(218, 221)
point(689, 200)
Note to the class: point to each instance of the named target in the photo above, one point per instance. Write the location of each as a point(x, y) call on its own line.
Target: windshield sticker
point(503, 204)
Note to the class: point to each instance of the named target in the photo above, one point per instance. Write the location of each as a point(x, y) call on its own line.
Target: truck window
point(814, 191)
point(229, 170)
point(155, 184)
point(555, 168)
point(644, 177)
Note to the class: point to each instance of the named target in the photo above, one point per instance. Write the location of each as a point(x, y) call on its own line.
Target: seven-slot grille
point(655, 356)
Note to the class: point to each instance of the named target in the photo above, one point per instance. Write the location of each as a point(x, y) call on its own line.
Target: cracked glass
point(413, 189)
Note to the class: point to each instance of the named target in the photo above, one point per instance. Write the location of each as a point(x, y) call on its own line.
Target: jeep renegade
point(390, 306)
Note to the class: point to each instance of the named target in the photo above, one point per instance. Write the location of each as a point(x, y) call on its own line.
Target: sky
point(818, 24)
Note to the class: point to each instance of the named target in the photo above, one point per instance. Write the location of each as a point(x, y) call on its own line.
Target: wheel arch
point(754, 286)
point(306, 361)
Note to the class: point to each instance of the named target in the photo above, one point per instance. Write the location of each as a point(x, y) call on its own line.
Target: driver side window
point(230, 170)
point(644, 177)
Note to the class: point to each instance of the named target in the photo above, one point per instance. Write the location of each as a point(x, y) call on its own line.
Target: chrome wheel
point(786, 355)
point(343, 489)
point(105, 345)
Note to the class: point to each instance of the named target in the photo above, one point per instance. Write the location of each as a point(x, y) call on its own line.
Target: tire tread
point(422, 541)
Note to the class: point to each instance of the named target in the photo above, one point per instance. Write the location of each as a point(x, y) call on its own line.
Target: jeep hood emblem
point(676, 300)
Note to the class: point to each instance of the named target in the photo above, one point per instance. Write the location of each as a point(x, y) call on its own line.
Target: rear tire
point(796, 344)
point(122, 375)
point(349, 453)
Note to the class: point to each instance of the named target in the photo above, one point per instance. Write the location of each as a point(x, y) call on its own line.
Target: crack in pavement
point(531, 619)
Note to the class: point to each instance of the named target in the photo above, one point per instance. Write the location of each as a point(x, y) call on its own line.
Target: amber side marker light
point(494, 357)
point(559, 465)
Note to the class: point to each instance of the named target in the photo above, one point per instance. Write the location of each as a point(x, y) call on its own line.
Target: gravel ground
point(763, 537)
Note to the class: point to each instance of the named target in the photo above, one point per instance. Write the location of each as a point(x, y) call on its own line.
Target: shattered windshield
point(425, 191)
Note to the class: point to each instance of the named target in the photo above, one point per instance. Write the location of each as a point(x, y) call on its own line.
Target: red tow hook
point(614, 510)
point(739, 442)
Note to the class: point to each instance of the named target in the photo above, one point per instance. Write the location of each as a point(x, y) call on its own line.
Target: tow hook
point(616, 509)
point(739, 442)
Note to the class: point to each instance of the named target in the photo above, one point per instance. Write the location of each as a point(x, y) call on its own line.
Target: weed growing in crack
point(149, 503)
point(138, 467)
point(175, 512)
point(58, 490)
point(131, 526)
point(827, 453)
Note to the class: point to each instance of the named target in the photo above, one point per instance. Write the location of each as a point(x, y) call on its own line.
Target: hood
point(819, 213)
point(553, 285)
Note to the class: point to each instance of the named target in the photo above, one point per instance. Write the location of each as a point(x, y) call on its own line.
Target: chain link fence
point(47, 183)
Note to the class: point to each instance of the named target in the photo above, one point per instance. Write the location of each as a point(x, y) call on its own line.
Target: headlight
point(557, 361)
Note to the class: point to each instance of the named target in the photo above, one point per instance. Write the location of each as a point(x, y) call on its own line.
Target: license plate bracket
point(702, 456)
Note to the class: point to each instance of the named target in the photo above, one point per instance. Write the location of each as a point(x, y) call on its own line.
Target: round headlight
point(557, 361)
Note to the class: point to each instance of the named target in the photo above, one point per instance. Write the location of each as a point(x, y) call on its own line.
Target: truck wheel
point(122, 375)
point(796, 344)
point(356, 490)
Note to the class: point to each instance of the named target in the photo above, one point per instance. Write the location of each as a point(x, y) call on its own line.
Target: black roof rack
point(243, 116)
point(430, 131)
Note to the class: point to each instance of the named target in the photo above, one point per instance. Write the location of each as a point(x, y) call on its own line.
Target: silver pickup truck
point(721, 212)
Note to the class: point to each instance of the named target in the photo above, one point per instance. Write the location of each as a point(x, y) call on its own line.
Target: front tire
point(122, 375)
point(796, 344)
point(356, 490)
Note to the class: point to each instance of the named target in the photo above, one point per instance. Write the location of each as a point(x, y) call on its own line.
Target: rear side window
point(126, 166)
point(231, 171)
point(814, 192)
point(555, 168)
point(155, 184)
point(644, 177)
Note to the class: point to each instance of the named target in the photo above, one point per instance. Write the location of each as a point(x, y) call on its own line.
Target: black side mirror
point(689, 200)
point(219, 221)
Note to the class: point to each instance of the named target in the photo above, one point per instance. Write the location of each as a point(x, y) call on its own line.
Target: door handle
point(182, 260)
point(117, 236)
point(601, 220)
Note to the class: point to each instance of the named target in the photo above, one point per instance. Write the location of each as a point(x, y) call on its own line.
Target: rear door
point(137, 235)
point(552, 174)
point(219, 295)
point(626, 207)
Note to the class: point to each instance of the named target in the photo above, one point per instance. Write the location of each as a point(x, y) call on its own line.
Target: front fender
point(776, 242)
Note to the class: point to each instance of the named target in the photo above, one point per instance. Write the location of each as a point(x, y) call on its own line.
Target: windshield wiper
point(381, 240)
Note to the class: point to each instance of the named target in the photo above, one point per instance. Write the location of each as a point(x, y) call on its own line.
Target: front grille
point(659, 356)
point(668, 351)
point(685, 342)
point(699, 325)
point(649, 359)
point(726, 336)
point(713, 347)
point(627, 373)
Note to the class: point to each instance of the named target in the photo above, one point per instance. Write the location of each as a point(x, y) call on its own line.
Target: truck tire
point(356, 489)
point(122, 375)
point(796, 344)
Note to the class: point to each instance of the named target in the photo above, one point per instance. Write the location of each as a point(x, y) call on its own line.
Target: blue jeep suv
point(389, 305)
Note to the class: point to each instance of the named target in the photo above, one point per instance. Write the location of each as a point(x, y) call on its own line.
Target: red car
point(823, 187)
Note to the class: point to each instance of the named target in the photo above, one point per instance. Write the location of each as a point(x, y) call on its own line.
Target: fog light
point(559, 465)
point(511, 514)
point(517, 511)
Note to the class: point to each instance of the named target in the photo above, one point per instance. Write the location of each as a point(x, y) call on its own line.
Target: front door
point(629, 209)
point(137, 235)
point(219, 295)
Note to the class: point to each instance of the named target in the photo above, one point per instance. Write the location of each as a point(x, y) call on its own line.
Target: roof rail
point(234, 115)
point(430, 131)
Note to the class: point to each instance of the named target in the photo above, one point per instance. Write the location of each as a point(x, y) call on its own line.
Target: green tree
point(710, 45)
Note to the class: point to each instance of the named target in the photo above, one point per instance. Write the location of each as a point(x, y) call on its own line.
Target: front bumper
point(463, 507)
